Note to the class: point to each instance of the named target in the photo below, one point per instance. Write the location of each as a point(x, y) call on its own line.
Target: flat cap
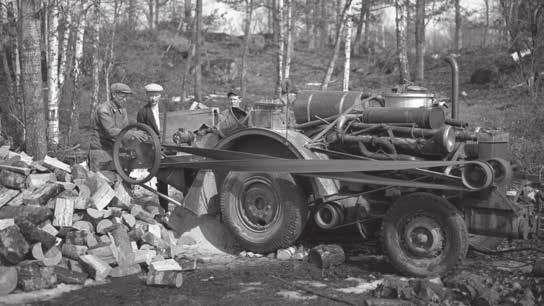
point(120, 87)
point(153, 87)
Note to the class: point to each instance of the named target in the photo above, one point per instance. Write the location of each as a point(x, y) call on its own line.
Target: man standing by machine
point(149, 115)
point(107, 121)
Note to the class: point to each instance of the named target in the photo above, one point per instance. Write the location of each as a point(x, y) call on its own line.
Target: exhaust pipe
point(454, 86)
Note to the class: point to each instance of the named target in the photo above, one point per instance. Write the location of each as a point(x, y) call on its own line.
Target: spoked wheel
point(137, 153)
point(265, 211)
point(424, 235)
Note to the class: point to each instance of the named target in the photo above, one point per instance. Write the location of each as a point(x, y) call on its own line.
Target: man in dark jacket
point(149, 115)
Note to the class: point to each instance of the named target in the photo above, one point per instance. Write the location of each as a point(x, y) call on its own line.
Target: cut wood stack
point(61, 223)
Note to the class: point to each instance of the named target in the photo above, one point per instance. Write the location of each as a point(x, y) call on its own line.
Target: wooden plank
point(56, 164)
point(7, 195)
point(64, 210)
point(4, 223)
point(97, 268)
point(41, 195)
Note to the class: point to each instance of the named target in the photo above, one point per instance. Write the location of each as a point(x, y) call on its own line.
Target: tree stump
point(327, 255)
point(8, 280)
point(164, 278)
point(13, 246)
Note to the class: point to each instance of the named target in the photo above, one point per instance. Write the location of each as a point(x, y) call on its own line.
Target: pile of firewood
point(65, 224)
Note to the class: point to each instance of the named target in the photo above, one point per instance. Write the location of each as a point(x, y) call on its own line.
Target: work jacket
point(145, 116)
point(107, 121)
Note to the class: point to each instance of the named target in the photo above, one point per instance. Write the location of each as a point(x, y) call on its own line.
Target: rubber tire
point(447, 216)
point(292, 212)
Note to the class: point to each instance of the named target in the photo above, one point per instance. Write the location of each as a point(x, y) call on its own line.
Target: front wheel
point(424, 235)
point(265, 211)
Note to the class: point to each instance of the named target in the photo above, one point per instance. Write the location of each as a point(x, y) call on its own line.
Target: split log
point(18, 199)
point(172, 279)
point(13, 246)
point(104, 253)
point(95, 213)
point(125, 271)
point(73, 251)
point(102, 196)
point(144, 226)
point(136, 234)
point(34, 234)
point(165, 265)
point(50, 229)
point(155, 229)
point(122, 197)
point(50, 258)
point(129, 219)
point(56, 164)
point(6, 223)
point(70, 277)
point(153, 240)
point(103, 225)
point(68, 185)
point(17, 169)
point(6, 195)
point(83, 197)
point(37, 180)
point(139, 213)
point(41, 195)
point(96, 268)
point(78, 172)
point(12, 179)
point(35, 214)
point(8, 280)
point(32, 276)
point(83, 226)
point(39, 167)
point(124, 251)
point(144, 256)
point(64, 210)
point(77, 237)
point(327, 255)
point(27, 159)
point(75, 266)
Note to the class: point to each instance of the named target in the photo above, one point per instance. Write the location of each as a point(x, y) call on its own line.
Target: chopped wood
point(129, 219)
point(96, 267)
point(37, 180)
point(91, 240)
point(136, 234)
point(327, 255)
point(32, 276)
point(103, 196)
point(77, 217)
point(8, 280)
point(79, 172)
point(83, 226)
point(104, 239)
point(77, 237)
point(123, 198)
point(134, 245)
point(104, 253)
point(141, 225)
point(35, 214)
point(21, 170)
point(83, 197)
point(38, 166)
point(165, 265)
point(75, 266)
point(67, 276)
point(125, 271)
point(64, 210)
point(27, 159)
point(155, 229)
point(34, 234)
point(50, 229)
point(13, 246)
point(41, 195)
point(6, 223)
point(172, 279)
point(139, 213)
point(56, 164)
point(95, 213)
point(103, 225)
point(49, 258)
point(67, 185)
point(18, 199)
point(124, 251)
point(153, 240)
point(6, 195)
point(144, 256)
point(12, 179)
point(73, 251)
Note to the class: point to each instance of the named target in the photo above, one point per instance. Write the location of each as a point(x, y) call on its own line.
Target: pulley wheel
point(137, 153)
point(502, 170)
point(477, 175)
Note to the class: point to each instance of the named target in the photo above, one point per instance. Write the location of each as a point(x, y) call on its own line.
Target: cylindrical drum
point(408, 99)
point(427, 118)
point(312, 105)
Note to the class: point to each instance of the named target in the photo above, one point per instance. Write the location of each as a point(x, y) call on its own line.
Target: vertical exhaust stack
point(454, 86)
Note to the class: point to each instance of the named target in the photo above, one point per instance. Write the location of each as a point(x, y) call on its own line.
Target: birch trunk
point(457, 43)
point(16, 62)
point(73, 126)
point(131, 8)
point(402, 52)
point(31, 77)
point(53, 75)
point(278, 34)
point(420, 40)
point(289, 39)
point(359, 34)
point(187, 9)
point(332, 62)
point(151, 7)
point(323, 24)
point(198, 51)
point(111, 51)
point(486, 28)
point(63, 53)
point(245, 51)
point(310, 13)
point(156, 11)
point(188, 63)
point(347, 52)
point(95, 28)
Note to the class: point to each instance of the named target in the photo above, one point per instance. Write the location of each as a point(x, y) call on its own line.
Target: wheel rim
point(260, 204)
point(423, 237)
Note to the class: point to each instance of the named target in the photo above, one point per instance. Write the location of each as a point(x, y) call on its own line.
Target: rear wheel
point(424, 235)
point(265, 211)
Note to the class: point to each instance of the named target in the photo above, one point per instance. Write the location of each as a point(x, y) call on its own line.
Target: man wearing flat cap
point(109, 118)
point(149, 115)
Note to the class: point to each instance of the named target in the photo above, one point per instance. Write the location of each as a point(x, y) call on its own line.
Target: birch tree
point(96, 60)
point(245, 51)
point(332, 62)
point(401, 21)
point(347, 50)
point(187, 9)
point(420, 40)
point(278, 37)
point(311, 16)
point(53, 75)
point(486, 28)
point(457, 40)
point(289, 38)
point(151, 13)
point(111, 48)
point(31, 77)
point(131, 12)
point(198, 51)
point(63, 51)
